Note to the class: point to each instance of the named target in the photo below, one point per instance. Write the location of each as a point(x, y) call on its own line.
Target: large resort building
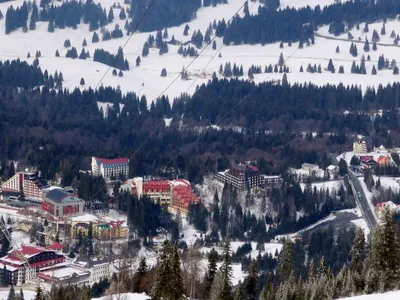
point(59, 203)
point(245, 176)
point(110, 168)
point(29, 185)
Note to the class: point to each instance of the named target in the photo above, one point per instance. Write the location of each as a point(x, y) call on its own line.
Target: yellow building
point(110, 231)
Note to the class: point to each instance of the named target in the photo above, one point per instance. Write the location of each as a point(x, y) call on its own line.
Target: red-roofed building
point(158, 190)
point(384, 161)
point(367, 161)
point(109, 168)
point(183, 196)
point(38, 258)
point(56, 247)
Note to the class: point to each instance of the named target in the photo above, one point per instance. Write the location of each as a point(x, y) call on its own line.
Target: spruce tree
point(11, 293)
point(373, 72)
point(50, 27)
point(252, 281)
point(337, 49)
point(164, 72)
point(226, 272)
point(396, 70)
point(358, 252)
point(138, 61)
point(178, 289)
point(281, 61)
point(139, 276)
point(95, 37)
point(146, 49)
point(82, 82)
point(110, 16)
point(239, 293)
point(84, 43)
point(161, 290)
point(212, 268)
point(385, 260)
point(268, 292)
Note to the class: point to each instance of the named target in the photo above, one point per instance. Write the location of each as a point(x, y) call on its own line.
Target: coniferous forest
point(281, 111)
point(337, 266)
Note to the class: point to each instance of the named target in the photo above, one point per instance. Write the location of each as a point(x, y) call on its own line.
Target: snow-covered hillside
point(146, 80)
point(386, 296)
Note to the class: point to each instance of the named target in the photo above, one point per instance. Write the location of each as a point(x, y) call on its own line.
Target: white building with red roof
point(183, 196)
point(39, 258)
point(108, 168)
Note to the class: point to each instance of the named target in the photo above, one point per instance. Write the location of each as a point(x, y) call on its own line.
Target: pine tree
point(374, 47)
point(120, 74)
point(165, 34)
point(212, 268)
point(373, 72)
point(383, 29)
point(82, 82)
point(83, 54)
point(186, 30)
point(217, 285)
point(214, 45)
point(164, 72)
point(161, 290)
point(21, 295)
point(122, 14)
point(11, 293)
point(337, 49)
point(281, 61)
point(252, 281)
point(301, 69)
point(281, 45)
point(95, 37)
point(366, 45)
point(84, 43)
point(366, 28)
point(138, 61)
point(285, 80)
point(67, 43)
point(114, 72)
point(110, 16)
point(139, 276)
point(385, 260)
point(239, 294)
point(341, 70)
point(331, 67)
point(396, 70)
point(226, 272)
point(358, 252)
point(146, 49)
point(268, 292)
point(39, 294)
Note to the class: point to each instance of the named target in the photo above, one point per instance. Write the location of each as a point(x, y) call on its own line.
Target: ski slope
point(146, 80)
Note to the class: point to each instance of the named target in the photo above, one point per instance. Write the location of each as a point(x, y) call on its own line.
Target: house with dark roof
point(39, 258)
point(241, 176)
point(109, 168)
point(60, 203)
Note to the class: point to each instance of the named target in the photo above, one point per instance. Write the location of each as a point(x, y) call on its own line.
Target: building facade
point(28, 184)
point(360, 146)
point(110, 231)
point(183, 196)
point(38, 258)
point(60, 203)
point(158, 190)
point(241, 176)
point(110, 168)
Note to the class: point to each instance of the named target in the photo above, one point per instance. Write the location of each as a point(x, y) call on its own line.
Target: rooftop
point(115, 161)
point(60, 196)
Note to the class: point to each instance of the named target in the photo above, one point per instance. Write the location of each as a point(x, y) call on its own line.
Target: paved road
point(359, 196)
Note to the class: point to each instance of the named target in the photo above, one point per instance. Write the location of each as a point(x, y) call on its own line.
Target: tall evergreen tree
point(161, 290)
point(139, 276)
point(11, 293)
point(226, 273)
point(385, 260)
point(252, 281)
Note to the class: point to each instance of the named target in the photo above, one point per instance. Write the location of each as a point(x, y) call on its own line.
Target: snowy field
point(146, 79)
point(28, 295)
point(332, 185)
point(127, 296)
point(386, 296)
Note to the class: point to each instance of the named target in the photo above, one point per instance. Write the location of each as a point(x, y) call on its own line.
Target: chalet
point(39, 258)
